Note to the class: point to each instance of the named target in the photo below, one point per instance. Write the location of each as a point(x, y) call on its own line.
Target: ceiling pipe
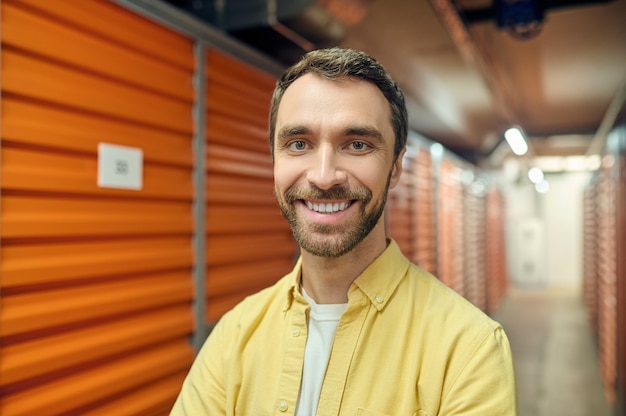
point(461, 37)
point(483, 14)
point(523, 19)
point(608, 121)
point(296, 38)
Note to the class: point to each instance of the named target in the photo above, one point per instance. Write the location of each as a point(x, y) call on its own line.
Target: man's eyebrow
point(359, 131)
point(364, 131)
point(290, 131)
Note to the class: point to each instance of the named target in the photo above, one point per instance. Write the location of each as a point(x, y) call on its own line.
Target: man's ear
point(396, 171)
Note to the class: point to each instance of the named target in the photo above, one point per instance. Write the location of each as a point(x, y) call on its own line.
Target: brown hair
point(338, 63)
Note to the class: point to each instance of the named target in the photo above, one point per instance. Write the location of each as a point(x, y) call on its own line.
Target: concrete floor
point(554, 352)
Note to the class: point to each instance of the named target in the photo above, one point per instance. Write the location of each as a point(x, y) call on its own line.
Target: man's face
point(333, 162)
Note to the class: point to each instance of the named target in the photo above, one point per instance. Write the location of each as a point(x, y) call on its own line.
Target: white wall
point(545, 231)
point(563, 217)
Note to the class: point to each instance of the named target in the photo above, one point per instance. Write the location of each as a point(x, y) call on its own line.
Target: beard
point(332, 240)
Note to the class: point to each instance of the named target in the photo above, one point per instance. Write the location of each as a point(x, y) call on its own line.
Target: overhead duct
point(284, 29)
point(522, 18)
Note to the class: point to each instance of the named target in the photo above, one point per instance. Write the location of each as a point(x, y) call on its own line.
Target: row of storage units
point(605, 265)
point(108, 292)
point(448, 218)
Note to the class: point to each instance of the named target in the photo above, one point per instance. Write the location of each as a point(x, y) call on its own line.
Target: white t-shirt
point(323, 321)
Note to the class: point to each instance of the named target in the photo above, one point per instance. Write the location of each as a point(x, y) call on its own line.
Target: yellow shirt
point(406, 345)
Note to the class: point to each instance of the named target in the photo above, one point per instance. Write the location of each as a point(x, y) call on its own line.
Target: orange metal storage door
point(497, 277)
point(96, 283)
point(425, 248)
point(607, 274)
point(450, 232)
point(475, 249)
point(400, 202)
point(249, 244)
point(621, 272)
point(590, 258)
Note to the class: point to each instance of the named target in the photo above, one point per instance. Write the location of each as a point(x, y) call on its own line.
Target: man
point(355, 328)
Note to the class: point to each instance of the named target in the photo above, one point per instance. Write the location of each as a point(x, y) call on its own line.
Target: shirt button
point(379, 299)
point(282, 406)
point(295, 333)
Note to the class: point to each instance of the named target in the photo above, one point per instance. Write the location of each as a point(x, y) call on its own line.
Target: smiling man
point(355, 328)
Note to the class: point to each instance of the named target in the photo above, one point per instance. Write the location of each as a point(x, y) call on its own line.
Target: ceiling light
point(515, 138)
point(535, 175)
point(436, 150)
point(542, 187)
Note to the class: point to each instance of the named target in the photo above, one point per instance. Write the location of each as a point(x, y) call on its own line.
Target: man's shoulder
point(438, 300)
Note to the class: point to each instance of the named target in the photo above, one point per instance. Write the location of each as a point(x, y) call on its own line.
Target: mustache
point(336, 193)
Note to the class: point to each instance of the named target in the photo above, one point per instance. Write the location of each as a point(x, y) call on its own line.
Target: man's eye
point(359, 145)
point(297, 145)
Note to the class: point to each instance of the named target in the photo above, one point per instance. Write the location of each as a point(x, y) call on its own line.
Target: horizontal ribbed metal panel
point(249, 244)
point(425, 249)
point(399, 210)
point(450, 228)
point(607, 276)
point(497, 276)
point(96, 283)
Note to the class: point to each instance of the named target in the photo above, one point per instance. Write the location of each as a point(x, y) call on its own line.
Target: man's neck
point(328, 279)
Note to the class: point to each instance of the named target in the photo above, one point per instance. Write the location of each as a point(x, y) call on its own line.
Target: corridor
point(554, 352)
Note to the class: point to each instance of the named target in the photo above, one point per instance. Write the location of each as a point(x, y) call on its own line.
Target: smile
point(327, 207)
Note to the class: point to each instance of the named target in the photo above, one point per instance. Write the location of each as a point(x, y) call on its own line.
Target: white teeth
point(336, 207)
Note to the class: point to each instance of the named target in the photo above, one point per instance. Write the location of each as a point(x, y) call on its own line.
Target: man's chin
point(329, 247)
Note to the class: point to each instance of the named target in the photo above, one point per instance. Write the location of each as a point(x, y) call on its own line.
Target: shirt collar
point(293, 285)
point(378, 281)
point(381, 278)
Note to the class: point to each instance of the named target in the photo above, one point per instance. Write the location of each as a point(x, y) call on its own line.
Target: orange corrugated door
point(423, 217)
point(450, 232)
point(248, 245)
point(496, 254)
point(607, 275)
point(96, 282)
point(590, 257)
point(475, 269)
point(620, 182)
point(398, 216)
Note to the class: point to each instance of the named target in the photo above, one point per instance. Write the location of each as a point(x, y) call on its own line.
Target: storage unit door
point(450, 237)
point(248, 243)
point(621, 271)
point(399, 207)
point(423, 217)
point(96, 281)
point(475, 270)
point(496, 276)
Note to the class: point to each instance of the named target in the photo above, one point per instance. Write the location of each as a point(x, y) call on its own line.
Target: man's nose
point(326, 170)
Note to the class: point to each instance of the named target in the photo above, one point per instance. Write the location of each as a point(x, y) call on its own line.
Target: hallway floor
point(554, 352)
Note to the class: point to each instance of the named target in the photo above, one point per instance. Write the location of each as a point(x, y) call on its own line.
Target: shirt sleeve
point(203, 391)
point(486, 384)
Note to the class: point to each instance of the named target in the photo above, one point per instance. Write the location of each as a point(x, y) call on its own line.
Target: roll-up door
point(475, 248)
point(249, 244)
point(620, 179)
point(425, 248)
point(399, 207)
point(605, 266)
point(96, 282)
point(590, 259)
point(450, 227)
point(607, 274)
point(497, 276)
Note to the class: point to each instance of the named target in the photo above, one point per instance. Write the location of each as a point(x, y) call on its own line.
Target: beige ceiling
point(466, 84)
